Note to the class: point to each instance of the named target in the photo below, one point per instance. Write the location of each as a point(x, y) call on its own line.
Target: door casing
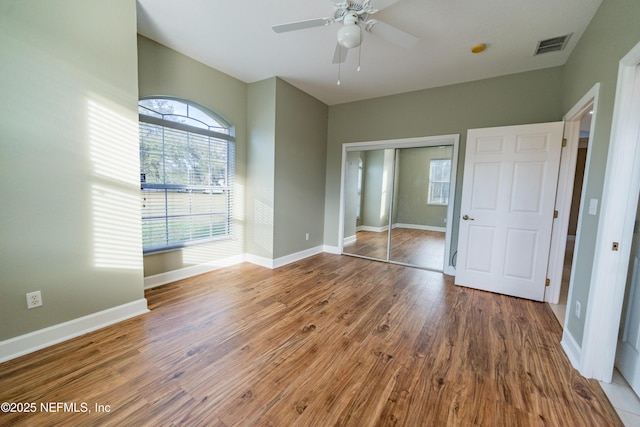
point(595, 358)
point(565, 191)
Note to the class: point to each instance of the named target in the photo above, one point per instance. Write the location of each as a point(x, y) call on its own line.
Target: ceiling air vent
point(552, 45)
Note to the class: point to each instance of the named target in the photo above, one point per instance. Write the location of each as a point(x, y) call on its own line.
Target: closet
point(397, 201)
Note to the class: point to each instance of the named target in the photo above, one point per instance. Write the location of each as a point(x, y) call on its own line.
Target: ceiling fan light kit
point(354, 16)
point(349, 35)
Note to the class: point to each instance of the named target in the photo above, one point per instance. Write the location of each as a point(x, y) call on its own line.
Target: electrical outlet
point(578, 309)
point(307, 236)
point(34, 299)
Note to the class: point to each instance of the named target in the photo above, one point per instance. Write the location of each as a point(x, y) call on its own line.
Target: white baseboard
point(331, 249)
point(348, 240)
point(288, 259)
point(373, 229)
point(284, 260)
point(259, 260)
point(571, 348)
point(36, 340)
point(184, 273)
point(420, 227)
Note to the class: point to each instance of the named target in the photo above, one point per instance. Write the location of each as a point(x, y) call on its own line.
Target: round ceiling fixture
point(349, 36)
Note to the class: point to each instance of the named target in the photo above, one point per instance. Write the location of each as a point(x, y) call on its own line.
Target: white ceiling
point(236, 38)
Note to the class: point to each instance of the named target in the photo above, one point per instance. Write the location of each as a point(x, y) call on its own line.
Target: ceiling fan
point(354, 16)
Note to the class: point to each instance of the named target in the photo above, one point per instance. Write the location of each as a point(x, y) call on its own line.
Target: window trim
point(184, 127)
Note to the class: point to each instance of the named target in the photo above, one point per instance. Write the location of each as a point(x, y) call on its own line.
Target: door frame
point(564, 195)
point(617, 217)
point(425, 141)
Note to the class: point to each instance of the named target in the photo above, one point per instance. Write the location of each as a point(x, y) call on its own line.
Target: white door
point(508, 195)
point(628, 356)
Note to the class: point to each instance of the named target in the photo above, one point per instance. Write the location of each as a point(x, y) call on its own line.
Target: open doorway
point(570, 201)
point(559, 309)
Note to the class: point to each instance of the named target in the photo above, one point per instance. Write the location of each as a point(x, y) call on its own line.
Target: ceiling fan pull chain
point(339, 64)
point(359, 52)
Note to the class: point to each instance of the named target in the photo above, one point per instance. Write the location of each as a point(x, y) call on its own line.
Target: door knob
point(467, 218)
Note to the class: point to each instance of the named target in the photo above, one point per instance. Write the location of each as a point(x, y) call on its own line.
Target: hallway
point(620, 394)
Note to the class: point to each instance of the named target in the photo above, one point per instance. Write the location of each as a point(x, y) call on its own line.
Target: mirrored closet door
point(367, 201)
point(397, 200)
point(421, 201)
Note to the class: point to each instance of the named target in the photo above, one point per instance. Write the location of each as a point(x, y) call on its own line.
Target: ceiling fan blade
point(301, 25)
point(391, 34)
point(378, 5)
point(340, 54)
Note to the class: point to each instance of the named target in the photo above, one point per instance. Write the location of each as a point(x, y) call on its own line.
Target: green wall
point(69, 164)
point(261, 167)
point(351, 199)
point(300, 164)
point(373, 173)
point(286, 162)
point(411, 206)
point(614, 30)
point(532, 97)
point(165, 72)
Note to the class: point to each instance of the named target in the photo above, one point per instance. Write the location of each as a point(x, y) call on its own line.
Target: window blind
point(186, 186)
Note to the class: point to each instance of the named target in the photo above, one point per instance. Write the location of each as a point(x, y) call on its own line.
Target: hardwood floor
point(370, 244)
point(330, 340)
point(422, 248)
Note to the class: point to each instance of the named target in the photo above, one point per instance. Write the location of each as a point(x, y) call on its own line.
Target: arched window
point(186, 174)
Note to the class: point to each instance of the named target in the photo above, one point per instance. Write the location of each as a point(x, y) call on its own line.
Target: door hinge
point(555, 214)
point(547, 282)
point(564, 142)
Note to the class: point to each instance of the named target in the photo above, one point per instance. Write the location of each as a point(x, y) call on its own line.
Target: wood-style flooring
point(330, 340)
point(422, 248)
